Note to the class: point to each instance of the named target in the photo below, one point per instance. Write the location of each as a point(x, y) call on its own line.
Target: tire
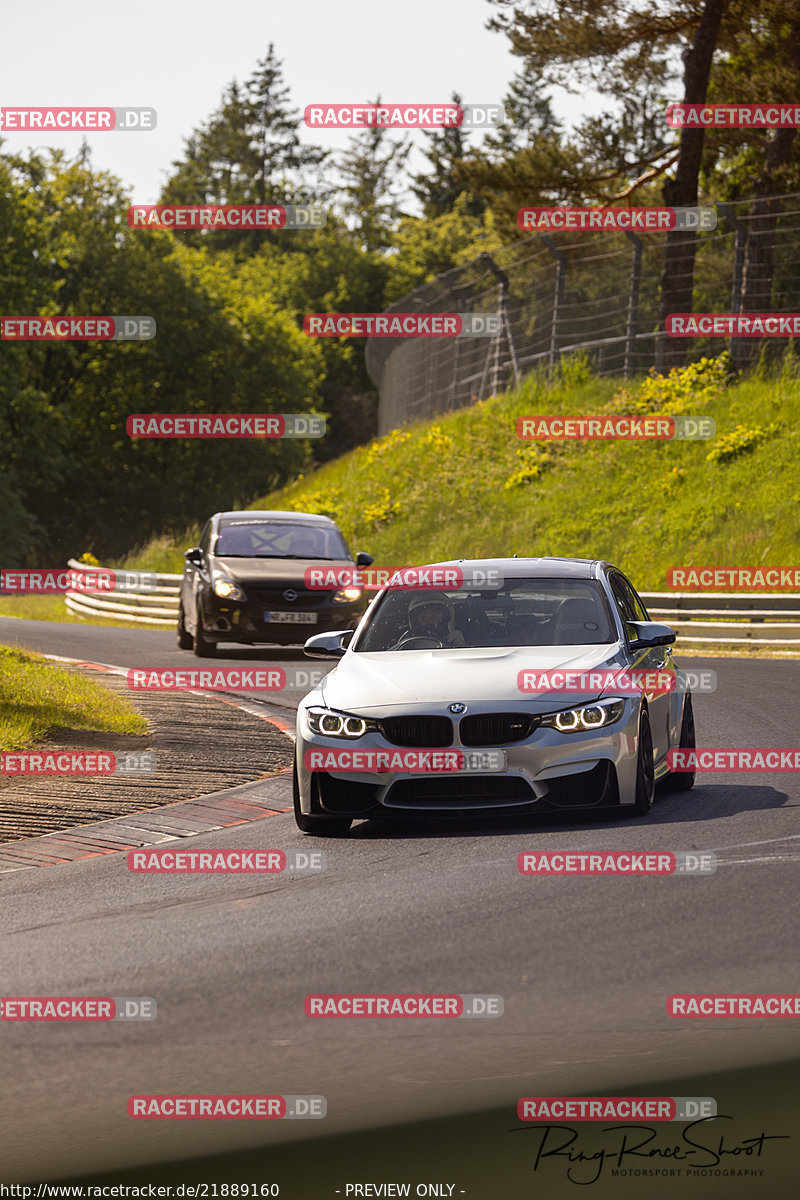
point(645, 772)
point(203, 648)
point(321, 826)
point(683, 781)
point(185, 639)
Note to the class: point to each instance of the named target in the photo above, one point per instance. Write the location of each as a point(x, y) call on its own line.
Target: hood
point(404, 681)
point(273, 572)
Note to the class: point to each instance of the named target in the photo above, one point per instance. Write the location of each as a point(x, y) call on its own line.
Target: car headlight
point(347, 596)
point(585, 718)
point(226, 589)
point(329, 723)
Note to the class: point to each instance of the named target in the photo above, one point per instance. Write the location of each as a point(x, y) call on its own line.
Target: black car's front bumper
point(247, 620)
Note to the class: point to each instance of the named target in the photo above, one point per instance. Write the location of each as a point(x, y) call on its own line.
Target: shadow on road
point(706, 802)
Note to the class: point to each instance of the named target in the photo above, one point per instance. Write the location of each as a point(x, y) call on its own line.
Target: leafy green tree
point(64, 404)
point(439, 188)
point(369, 170)
point(426, 248)
point(330, 271)
point(618, 46)
point(248, 152)
point(763, 64)
point(529, 117)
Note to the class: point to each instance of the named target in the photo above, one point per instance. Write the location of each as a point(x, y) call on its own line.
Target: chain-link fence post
point(558, 295)
point(739, 353)
point(629, 364)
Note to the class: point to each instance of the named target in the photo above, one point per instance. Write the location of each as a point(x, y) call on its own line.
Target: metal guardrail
point(741, 614)
point(157, 607)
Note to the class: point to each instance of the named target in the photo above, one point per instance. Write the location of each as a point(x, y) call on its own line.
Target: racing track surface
point(584, 964)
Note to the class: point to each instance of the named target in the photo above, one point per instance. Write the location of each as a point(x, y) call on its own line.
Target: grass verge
point(37, 698)
point(465, 485)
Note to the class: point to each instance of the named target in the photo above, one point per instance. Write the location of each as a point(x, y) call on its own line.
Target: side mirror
point(645, 635)
point(194, 556)
point(328, 645)
point(364, 560)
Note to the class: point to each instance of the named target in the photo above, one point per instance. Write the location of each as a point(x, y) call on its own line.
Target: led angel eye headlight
point(593, 717)
point(580, 720)
point(330, 723)
point(566, 721)
point(334, 724)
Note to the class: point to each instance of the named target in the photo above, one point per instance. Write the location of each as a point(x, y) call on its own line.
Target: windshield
point(279, 539)
point(525, 612)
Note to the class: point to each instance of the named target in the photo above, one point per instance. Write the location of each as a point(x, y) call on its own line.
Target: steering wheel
point(419, 641)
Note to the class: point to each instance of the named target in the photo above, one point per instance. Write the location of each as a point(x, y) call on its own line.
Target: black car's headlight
point(329, 723)
point(347, 595)
point(585, 718)
point(226, 589)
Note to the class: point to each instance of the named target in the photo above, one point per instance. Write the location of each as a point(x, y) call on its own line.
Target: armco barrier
point(158, 607)
point(698, 618)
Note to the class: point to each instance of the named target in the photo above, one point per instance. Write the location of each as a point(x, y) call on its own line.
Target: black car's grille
point(495, 729)
point(418, 731)
point(463, 791)
point(273, 598)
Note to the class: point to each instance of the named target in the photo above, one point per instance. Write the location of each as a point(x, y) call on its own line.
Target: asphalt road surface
point(584, 965)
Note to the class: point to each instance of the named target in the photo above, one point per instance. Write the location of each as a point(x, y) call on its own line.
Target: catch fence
point(596, 292)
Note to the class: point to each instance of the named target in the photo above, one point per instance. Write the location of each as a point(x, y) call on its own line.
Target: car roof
point(549, 566)
point(256, 514)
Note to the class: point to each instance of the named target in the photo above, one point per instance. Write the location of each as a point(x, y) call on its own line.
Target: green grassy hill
point(465, 485)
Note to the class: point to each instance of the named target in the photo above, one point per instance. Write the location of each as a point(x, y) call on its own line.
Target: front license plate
point(487, 762)
point(291, 618)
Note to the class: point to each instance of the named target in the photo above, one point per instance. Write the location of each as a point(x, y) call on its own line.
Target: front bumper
point(548, 771)
point(246, 621)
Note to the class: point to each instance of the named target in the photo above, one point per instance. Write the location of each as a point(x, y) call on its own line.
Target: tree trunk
point(677, 279)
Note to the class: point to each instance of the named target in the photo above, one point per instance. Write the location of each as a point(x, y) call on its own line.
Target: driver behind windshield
point(431, 616)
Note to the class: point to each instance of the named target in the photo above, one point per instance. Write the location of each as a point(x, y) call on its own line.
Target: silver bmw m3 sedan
point(524, 685)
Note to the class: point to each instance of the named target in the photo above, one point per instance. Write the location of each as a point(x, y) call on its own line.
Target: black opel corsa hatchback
point(245, 581)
